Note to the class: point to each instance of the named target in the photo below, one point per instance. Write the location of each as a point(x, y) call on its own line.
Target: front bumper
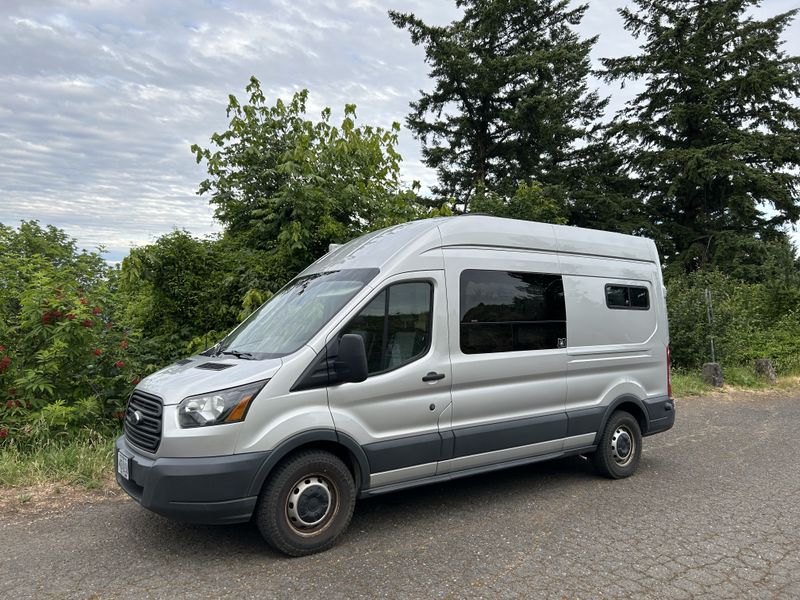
point(210, 490)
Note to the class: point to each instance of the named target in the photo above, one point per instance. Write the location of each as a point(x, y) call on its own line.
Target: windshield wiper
point(237, 354)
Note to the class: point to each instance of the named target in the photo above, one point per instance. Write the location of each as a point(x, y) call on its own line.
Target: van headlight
point(215, 408)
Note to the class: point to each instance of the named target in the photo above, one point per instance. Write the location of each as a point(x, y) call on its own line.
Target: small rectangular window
point(507, 312)
point(627, 297)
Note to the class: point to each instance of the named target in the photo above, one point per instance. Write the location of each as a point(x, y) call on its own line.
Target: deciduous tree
point(290, 185)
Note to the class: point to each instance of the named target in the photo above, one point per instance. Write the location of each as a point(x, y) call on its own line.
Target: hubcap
point(310, 504)
point(622, 446)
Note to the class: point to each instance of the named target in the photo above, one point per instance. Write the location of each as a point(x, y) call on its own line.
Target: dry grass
point(47, 500)
point(737, 379)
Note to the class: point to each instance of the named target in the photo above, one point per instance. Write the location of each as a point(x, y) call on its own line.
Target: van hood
point(203, 374)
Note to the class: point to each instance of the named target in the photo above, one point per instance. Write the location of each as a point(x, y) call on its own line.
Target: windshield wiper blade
point(237, 354)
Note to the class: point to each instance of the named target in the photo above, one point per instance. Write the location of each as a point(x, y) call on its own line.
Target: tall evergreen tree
point(511, 98)
point(602, 194)
point(713, 138)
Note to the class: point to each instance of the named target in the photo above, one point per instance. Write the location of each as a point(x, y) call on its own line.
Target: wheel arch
point(338, 444)
point(628, 403)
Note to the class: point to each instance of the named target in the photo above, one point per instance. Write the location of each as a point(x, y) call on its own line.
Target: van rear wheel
point(620, 447)
point(306, 503)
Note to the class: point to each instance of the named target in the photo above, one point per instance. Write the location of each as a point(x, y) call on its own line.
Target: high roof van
point(416, 354)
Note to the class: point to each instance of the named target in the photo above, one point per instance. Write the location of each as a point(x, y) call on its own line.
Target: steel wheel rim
point(623, 446)
point(311, 504)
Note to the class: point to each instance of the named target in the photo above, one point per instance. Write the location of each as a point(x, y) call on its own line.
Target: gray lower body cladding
point(210, 490)
point(658, 413)
point(224, 489)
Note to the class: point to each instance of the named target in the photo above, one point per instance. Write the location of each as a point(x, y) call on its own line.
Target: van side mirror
point(351, 362)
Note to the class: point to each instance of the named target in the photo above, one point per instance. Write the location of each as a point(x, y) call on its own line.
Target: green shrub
point(750, 320)
point(64, 361)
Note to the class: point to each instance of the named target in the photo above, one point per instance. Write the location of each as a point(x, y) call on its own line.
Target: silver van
point(416, 354)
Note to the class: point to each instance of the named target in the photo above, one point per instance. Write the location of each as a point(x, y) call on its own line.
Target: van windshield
point(288, 320)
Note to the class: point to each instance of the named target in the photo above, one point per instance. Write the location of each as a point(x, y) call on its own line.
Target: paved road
point(714, 511)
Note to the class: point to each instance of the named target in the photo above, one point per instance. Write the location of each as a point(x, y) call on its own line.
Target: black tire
point(306, 503)
point(620, 447)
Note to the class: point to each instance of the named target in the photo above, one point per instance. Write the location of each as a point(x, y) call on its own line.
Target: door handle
point(433, 376)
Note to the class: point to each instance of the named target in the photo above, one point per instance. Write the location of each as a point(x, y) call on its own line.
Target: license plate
point(123, 464)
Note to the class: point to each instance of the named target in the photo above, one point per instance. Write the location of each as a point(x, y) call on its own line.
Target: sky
point(100, 100)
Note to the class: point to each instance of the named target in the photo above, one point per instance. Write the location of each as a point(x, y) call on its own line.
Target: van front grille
point(143, 421)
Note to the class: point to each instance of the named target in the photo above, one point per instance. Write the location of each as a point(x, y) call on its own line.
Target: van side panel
point(506, 405)
point(275, 418)
point(395, 415)
point(612, 351)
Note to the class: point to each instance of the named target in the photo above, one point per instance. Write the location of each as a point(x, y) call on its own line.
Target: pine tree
point(713, 137)
point(511, 101)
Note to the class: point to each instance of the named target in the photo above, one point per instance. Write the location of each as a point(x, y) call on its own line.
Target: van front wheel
point(620, 447)
point(306, 503)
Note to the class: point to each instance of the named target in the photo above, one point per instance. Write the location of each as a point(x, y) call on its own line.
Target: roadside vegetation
point(86, 462)
point(705, 160)
point(689, 384)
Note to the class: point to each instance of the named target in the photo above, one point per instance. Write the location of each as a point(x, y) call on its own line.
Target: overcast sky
point(101, 99)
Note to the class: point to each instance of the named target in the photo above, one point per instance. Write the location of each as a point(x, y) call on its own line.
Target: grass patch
point(86, 462)
point(744, 377)
point(690, 383)
point(687, 383)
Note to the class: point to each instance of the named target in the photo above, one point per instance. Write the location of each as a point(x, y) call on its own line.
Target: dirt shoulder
point(52, 499)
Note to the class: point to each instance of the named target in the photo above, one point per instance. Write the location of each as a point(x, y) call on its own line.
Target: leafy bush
point(64, 362)
point(750, 320)
point(181, 294)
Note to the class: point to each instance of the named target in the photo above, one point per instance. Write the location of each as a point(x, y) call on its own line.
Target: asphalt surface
point(714, 511)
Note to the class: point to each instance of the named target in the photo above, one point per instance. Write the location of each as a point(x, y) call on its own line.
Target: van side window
point(627, 296)
point(506, 312)
point(395, 325)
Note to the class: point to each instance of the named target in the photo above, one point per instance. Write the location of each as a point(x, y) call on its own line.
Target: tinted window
point(627, 296)
point(369, 325)
point(505, 312)
point(639, 297)
point(395, 325)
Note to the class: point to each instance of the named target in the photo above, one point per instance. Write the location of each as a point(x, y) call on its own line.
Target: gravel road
point(714, 511)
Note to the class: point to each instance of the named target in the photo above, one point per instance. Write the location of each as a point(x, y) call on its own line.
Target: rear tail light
point(669, 373)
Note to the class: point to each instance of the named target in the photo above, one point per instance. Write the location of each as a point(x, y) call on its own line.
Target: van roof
point(378, 248)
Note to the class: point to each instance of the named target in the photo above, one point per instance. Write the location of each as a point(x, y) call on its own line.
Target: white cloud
point(101, 99)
